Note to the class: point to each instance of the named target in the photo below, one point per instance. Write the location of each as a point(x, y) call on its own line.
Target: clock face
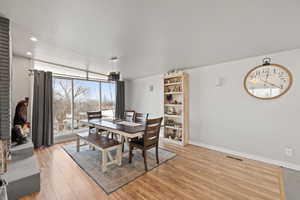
point(268, 81)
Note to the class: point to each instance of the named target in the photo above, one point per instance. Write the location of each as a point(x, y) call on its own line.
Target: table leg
point(104, 161)
point(110, 156)
point(78, 144)
point(124, 141)
point(119, 155)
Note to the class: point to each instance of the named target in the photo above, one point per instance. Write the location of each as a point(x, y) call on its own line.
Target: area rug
point(116, 176)
point(291, 184)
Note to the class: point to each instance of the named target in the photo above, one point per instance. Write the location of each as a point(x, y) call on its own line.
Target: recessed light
point(34, 39)
point(29, 53)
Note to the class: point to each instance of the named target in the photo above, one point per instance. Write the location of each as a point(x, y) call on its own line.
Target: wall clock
point(268, 81)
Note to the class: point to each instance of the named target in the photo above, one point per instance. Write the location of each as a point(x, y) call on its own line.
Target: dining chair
point(96, 115)
point(138, 118)
point(149, 140)
point(129, 115)
point(93, 115)
point(141, 118)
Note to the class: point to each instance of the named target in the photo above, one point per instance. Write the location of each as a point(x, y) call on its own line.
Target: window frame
point(65, 137)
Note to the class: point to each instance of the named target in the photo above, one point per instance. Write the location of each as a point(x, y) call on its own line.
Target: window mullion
point(100, 91)
point(72, 106)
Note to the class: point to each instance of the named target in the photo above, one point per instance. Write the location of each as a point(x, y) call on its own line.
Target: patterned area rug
point(116, 176)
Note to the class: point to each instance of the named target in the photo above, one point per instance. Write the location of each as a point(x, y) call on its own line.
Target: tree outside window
point(79, 96)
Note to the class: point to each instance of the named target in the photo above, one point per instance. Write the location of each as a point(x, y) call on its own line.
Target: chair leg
point(157, 160)
point(104, 161)
point(145, 159)
point(122, 141)
point(130, 153)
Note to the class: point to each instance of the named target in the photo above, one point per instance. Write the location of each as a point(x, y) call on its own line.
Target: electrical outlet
point(289, 152)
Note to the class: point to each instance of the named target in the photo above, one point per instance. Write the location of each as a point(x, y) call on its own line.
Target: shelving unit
point(171, 127)
point(176, 129)
point(173, 92)
point(173, 105)
point(174, 116)
point(178, 83)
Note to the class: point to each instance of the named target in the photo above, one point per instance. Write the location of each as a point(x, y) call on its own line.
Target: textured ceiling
point(152, 36)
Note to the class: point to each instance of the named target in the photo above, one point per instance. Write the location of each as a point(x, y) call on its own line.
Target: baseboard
point(249, 156)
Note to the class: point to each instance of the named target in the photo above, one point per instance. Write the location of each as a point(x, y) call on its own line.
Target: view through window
point(108, 99)
point(62, 106)
point(72, 99)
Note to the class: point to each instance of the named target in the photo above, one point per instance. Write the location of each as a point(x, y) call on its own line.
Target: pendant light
point(114, 75)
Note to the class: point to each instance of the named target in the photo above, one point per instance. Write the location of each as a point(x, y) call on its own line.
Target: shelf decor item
point(176, 129)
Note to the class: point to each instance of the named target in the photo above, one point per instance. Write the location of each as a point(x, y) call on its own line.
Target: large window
point(62, 106)
point(108, 98)
point(86, 98)
point(73, 98)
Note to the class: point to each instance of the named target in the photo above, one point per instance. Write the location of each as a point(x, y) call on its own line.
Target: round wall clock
point(268, 81)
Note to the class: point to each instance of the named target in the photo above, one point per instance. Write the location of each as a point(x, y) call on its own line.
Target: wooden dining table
point(123, 128)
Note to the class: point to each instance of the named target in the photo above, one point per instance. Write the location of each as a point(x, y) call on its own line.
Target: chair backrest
point(94, 115)
point(151, 135)
point(141, 117)
point(129, 115)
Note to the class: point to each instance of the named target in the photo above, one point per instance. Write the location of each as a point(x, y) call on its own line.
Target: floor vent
point(234, 158)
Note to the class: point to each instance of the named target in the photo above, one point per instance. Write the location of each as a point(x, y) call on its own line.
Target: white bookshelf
point(176, 130)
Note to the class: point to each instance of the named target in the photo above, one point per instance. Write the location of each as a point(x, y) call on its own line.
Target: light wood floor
point(196, 173)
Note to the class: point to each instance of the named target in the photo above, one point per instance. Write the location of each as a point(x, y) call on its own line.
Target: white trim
point(248, 156)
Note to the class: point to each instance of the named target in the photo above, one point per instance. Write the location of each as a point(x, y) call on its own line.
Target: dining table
point(124, 129)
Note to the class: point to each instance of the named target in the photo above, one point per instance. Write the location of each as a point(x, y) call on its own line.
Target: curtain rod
point(58, 75)
point(61, 65)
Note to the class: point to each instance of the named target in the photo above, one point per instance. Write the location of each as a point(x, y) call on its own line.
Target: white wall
point(21, 82)
point(226, 117)
point(140, 98)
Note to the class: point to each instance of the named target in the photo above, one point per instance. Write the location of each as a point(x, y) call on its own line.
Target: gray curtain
point(5, 80)
point(42, 115)
point(120, 100)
